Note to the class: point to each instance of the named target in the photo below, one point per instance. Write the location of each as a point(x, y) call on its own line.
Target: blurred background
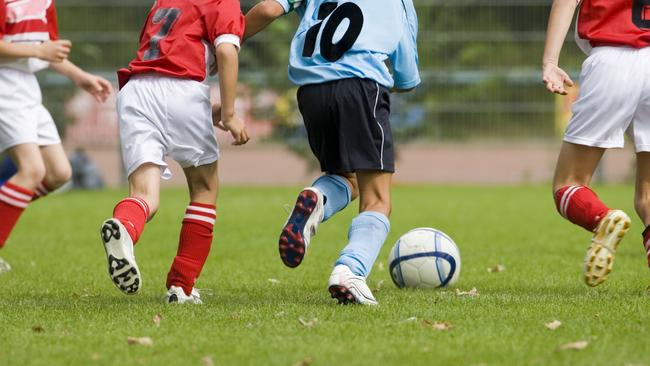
point(481, 115)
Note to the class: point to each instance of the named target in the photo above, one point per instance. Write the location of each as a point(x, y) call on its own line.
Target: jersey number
point(641, 13)
point(329, 50)
point(166, 16)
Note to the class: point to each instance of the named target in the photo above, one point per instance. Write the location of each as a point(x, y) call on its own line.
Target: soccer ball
point(424, 258)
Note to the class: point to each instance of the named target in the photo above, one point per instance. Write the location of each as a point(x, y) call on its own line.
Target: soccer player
point(164, 110)
point(338, 58)
point(614, 99)
point(29, 42)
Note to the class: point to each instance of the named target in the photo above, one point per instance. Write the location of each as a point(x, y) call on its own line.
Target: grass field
point(58, 306)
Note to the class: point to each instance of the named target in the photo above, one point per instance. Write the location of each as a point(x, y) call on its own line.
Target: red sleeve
point(223, 17)
point(3, 17)
point(52, 25)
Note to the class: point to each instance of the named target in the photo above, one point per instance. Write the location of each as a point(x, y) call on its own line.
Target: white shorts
point(161, 116)
point(614, 99)
point(27, 125)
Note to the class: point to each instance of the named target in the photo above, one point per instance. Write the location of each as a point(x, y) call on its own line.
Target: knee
point(354, 186)
point(58, 176)
point(32, 174)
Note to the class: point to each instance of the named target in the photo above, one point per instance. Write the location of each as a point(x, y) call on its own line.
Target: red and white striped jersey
point(179, 37)
point(27, 21)
point(615, 23)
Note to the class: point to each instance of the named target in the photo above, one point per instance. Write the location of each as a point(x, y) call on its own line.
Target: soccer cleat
point(121, 261)
point(176, 295)
point(301, 226)
point(600, 255)
point(348, 288)
point(4, 266)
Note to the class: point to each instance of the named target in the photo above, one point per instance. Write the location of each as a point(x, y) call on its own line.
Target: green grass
point(59, 283)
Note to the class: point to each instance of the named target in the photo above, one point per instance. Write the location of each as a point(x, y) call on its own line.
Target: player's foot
point(4, 266)
point(600, 256)
point(176, 295)
point(301, 226)
point(348, 288)
point(121, 261)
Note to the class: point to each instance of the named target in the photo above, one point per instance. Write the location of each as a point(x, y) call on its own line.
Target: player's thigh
point(576, 165)
point(203, 182)
point(57, 166)
point(374, 191)
point(610, 91)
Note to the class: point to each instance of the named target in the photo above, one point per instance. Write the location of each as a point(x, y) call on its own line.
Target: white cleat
point(347, 288)
point(4, 266)
point(301, 226)
point(122, 267)
point(600, 255)
point(176, 295)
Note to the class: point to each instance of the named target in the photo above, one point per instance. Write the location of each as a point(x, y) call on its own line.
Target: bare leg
point(144, 183)
point(642, 196)
point(30, 165)
point(576, 165)
point(374, 190)
point(57, 166)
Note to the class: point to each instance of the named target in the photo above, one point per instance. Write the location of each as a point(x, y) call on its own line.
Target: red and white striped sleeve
point(224, 22)
point(52, 22)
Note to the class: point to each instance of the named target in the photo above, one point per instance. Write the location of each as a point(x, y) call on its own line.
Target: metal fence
point(480, 61)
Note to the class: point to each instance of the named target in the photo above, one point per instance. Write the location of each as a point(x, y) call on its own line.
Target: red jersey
point(180, 36)
point(615, 22)
point(28, 21)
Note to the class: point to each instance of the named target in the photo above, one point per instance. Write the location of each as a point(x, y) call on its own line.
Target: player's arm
point(228, 64)
point(261, 16)
point(52, 51)
point(559, 23)
point(405, 57)
point(97, 86)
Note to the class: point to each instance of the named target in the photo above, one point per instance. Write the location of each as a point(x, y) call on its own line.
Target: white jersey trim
point(27, 37)
point(228, 38)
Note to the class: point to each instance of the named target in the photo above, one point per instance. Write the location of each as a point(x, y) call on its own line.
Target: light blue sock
point(336, 191)
point(366, 237)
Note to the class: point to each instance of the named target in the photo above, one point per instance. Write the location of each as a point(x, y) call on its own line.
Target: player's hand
point(216, 116)
point(97, 86)
point(556, 79)
point(54, 51)
point(237, 129)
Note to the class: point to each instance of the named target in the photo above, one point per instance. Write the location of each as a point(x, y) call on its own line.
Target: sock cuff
point(373, 215)
point(645, 232)
point(563, 197)
point(338, 181)
point(42, 190)
point(16, 196)
point(139, 202)
point(200, 213)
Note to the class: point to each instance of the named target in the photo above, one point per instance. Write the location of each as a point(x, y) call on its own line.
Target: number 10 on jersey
point(337, 14)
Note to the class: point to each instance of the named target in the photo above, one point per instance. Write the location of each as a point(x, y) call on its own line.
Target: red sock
point(13, 201)
point(193, 247)
point(581, 206)
point(41, 191)
point(133, 213)
point(646, 243)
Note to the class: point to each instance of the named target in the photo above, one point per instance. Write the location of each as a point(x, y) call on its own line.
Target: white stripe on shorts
point(383, 137)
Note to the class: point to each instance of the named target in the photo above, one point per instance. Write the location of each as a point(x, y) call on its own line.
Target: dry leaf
point(443, 326)
point(274, 281)
point(306, 362)
point(579, 345)
point(142, 341)
point(472, 293)
point(280, 314)
point(207, 361)
point(411, 319)
point(4, 266)
point(380, 284)
point(95, 356)
point(309, 324)
point(497, 268)
point(553, 325)
point(157, 319)
point(235, 316)
point(380, 266)
point(38, 329)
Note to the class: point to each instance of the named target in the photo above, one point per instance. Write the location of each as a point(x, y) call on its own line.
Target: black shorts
point(348, 125)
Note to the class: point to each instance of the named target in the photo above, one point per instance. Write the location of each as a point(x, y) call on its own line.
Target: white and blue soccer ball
point(424, 258)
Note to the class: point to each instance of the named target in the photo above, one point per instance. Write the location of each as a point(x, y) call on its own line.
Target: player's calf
point(581, 206)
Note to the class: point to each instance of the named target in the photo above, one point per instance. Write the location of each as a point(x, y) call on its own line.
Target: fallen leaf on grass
point(38, 329)
point(141, 341)
point(280, 314)
point(471, 293)
point(306, 362)
point(579, 345)
point(207, 361)
point(411, 319)
point(497, 268)
point(442, 326)
point(95, 356)
point(235, 316)
point(379, 285)
point(309, 324)
point(274, 281)
point(553, 325)
point(380, 266)
point(157, 319)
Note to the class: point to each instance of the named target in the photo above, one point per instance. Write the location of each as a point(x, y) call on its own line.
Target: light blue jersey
point(354, 39)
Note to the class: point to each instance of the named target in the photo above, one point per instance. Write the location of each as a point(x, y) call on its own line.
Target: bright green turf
point(59, 282)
